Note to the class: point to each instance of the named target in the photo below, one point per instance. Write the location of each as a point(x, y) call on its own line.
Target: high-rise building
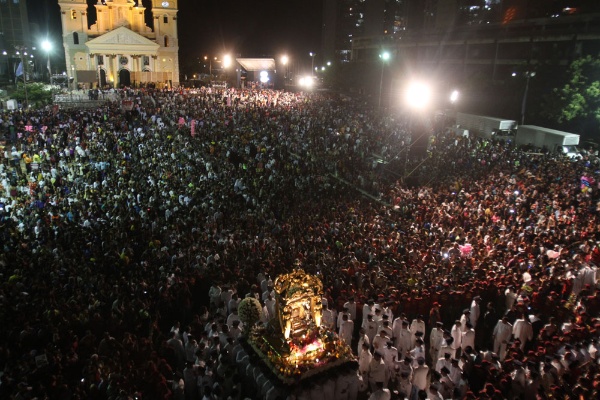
point(119, 48)
point(14, 31)
point(344, 20)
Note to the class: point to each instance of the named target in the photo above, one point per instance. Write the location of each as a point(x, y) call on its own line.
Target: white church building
point(119, 49)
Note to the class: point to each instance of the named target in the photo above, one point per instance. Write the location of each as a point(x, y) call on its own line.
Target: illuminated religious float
point(295, 346)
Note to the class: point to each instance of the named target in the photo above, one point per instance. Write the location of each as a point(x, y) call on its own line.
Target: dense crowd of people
point(129, 237)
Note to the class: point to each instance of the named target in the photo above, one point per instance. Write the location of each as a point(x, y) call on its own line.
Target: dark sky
point(249, 28)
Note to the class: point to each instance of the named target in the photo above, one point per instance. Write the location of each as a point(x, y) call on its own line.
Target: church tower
point(164, 14)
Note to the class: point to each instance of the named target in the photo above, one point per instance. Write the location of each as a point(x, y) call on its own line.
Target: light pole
point(384, 57)
point(312, 63)
point(209, 59)
point(5, 54)
point(21, 51)
point(528, 75)
point(47, 46)
point(226, 63)
point(284, 61)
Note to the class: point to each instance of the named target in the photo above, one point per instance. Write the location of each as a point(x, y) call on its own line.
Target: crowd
point(129, 237)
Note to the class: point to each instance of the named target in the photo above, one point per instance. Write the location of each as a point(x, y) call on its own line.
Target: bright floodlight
point(47, 46)
point(264, 76)
point(385, 56)
point(226, 61)
point(454, 96)
point(284, 60)
point(418, 95)
point(306, 81)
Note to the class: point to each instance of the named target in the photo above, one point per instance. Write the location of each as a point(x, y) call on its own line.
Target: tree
point(38, 94)
point(578, 101)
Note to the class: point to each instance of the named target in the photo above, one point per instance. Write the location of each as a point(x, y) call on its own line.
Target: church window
point(166, 41)
point(146, 60)
point(75, 38)
point(165, 19)
point(100, 59)
point(73, 14)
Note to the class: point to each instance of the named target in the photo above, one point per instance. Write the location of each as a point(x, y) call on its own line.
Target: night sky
point(248, 28)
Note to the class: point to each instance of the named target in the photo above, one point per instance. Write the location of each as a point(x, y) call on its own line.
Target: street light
point(454, 96)
point(417, 95)
point(47, 47)
point(385, 56)
point(210, 59)
point(528, 75)
point(227, 61)
point(284, 60)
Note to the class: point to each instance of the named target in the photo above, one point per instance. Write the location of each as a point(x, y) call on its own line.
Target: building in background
point(14, 31)
point(345, 20)
point(120, 48)
point(491, 38)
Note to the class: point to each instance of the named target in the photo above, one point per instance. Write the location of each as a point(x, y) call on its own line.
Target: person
point(362, 339)
point(468, 338)
point(420, 373)
point(501, 336)
point(436, 338)
point(456, 333)
point(390, 356)
point(417, 325)
point(329, 317)
point(523, 331)
point(380, 341)
point(475, 311)
point(350, 305)
point(377, 372)
point(380, 393)
point(370, 328)
point(364, 359)
point(465, 317)
point(346, 329)
point(444, 361)
point(402, 336)
point(418, 351)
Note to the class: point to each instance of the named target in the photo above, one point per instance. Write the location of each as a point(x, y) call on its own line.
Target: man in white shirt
point(329, 318)
point(380, 393)
point(340, 317)
point(456, 334)
point(417, 325)
point(346, 330)
point(402, 337)
point(350, 305)
point(468, 338)
point(367, 309)
point(475, 311)
point(418, 352)
point(370, 327)
point(435, 340)
point(523, 330)
point(380, 341)
point(420, 373)
point(378, 372)
point(442, 362)
point(501, 336)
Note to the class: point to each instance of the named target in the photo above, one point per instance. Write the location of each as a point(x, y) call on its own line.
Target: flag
point(19, 71)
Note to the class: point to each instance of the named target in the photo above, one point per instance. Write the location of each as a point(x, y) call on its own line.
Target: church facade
point(119, 49)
